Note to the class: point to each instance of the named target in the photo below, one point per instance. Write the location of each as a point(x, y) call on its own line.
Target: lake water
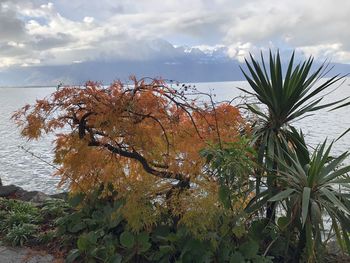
point(21, 168)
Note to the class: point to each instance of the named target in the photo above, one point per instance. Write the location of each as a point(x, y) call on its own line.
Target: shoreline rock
point(16, 192)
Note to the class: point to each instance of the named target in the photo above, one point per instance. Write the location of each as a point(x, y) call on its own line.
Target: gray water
point(21, 168)
point(17, 166)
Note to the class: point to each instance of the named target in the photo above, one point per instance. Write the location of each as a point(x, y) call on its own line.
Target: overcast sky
point(65, 31)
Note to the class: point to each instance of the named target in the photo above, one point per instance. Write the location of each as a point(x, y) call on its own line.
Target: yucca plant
point(309, 191)
point(286, 97)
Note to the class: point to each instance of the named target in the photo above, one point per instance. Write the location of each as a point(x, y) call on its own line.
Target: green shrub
point(54, 208)
point(18, 235)
point(25, 223)
point(17, 206)
point(97, 232)
point(15, 213)
point(46, 236)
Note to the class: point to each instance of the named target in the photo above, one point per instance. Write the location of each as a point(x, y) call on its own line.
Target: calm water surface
point(20, 168)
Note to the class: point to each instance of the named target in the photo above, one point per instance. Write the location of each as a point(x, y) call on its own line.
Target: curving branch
point(138, 157)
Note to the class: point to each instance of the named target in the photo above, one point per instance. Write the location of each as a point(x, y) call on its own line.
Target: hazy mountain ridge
point(183, 64)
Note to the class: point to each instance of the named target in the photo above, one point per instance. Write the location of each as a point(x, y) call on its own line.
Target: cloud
point(11, 27)
point(317, 26)
point(62, 31)
point(41, 42)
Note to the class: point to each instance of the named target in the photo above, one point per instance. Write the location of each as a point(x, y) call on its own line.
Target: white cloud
point(332, 52)
point(317, 26)
point(88, 19)
point(63, 31)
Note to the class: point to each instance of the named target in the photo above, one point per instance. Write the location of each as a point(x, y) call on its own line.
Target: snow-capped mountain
point(160, 58)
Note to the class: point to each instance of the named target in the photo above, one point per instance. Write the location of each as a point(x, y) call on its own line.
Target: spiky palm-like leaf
point(311, 191)
point(287, 97)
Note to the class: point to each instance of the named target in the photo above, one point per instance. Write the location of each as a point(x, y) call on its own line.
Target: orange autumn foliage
point(143, 137)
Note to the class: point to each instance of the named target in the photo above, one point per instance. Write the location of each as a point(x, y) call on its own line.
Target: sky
point(63, 32)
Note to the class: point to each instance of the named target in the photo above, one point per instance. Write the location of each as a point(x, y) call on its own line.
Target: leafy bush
point(18, 235)
point(15, 213)
point(231, 165)
point(46, 237)
point(54, 208)
point(17, 206)
point(97, 231)
point(25, 223)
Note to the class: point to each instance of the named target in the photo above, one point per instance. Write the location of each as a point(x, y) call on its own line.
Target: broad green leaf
point(93, 236)
point(75, 228)
point(117, 258)
point(237, 257)
point(76, 200)
point(83, 243)
point(239, 230)
point(283, 222)
point(127, 239)
point(249, 249)
point(143, 241)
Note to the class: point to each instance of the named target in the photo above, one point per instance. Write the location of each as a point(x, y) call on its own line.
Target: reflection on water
point(20, 168)
point(17, 166)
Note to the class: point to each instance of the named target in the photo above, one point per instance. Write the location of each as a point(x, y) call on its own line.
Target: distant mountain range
point(183, 64)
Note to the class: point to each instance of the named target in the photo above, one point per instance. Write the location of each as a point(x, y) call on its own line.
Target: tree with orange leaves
point(143, 138)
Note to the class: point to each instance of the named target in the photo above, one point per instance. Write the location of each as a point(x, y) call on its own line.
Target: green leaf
point(165, 250)
point(249, 249)
point(160, 233)
point(143, 241)
point(117, 258)
point(83, 242)
point(142, 237)
point(283, 222)
point(347, 241)
point(334, 200)
point(72, 255)
point(282, 195)
point(145, 247)
point(341, 106)
point(92, 237)
point(115, 221)
point(127, 239)
point(305, 204)
point(76, 227)
point(239, 230)
point(237, 258)
point(224, 196)
point(344, 133)
point(77, 199)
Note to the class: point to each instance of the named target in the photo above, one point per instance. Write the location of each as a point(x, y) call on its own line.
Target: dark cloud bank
point(185, 69)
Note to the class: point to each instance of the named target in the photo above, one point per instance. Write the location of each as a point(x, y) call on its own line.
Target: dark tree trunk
point(272, 185)
point(270, 212)
point(301, 245)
